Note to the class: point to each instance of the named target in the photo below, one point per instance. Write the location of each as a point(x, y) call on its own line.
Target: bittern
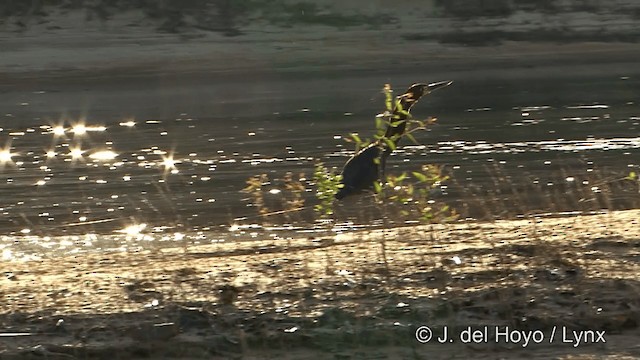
point(366, 167)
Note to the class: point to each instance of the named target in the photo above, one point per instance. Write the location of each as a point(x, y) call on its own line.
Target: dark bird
point(364, 168)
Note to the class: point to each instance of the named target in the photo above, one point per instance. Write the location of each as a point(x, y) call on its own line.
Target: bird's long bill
point(439, 85)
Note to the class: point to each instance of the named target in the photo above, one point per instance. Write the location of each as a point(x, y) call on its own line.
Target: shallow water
point(133, 164)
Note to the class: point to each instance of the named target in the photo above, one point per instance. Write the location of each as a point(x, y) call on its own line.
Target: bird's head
point(416, 91)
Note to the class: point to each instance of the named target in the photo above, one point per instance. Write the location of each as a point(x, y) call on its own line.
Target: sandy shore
point(336, 296)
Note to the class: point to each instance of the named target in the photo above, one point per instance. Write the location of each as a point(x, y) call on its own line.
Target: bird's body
point(367, 166)
point(361, 170)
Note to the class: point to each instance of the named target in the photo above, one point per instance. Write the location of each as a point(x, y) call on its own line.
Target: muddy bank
point(272, 36)
point(337, 296)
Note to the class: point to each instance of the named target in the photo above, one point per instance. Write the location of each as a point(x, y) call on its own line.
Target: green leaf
point(377, 187)
point(390, 143)
point(388, 97)
point(420, 176)
point(395, 137)
point(356, 138)
point(379, 123)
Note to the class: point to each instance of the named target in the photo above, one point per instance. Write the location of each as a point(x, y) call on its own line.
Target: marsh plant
point(283, 196)
point(412, 195)
point(633, 177)
point(327, 184)
point(256, 188)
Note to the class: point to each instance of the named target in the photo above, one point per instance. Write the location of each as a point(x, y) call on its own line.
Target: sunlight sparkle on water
point(76, 153)
point(58, 130)
point(103, 155)
point(5, 156)
point(133, 230)
point(82, 129)
point(168, 162)
point(79, 129)
point(129, 123)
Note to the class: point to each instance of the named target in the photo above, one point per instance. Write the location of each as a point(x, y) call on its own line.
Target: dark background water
point(514, 143)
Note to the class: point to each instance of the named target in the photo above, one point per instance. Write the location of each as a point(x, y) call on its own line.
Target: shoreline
point(66, 46)
point(518, 56)
point(229, 299)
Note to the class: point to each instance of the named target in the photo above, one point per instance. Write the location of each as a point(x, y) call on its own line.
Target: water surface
point(132, 164)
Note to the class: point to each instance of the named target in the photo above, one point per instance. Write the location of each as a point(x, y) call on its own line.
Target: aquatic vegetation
point(412, 195)
point(255, 188)
point(634, 177)
point(276, 196)
point(327, 184)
